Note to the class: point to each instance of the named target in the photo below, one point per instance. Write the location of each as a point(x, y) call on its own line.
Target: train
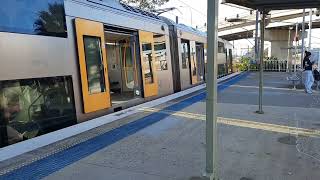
point(64, 62)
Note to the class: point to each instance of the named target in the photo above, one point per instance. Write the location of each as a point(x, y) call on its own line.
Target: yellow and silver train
point(63, 62)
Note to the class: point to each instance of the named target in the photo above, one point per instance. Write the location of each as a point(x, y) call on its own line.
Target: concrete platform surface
point(168, 141)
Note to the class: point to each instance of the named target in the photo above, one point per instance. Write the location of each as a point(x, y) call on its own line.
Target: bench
point(294, 78)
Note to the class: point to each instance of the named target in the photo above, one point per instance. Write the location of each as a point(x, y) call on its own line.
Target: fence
point(273, 66)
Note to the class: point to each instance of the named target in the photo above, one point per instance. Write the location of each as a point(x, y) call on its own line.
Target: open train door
point(93, 65)
point(149, 76)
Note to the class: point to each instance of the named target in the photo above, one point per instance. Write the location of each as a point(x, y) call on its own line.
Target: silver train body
point(90, 58)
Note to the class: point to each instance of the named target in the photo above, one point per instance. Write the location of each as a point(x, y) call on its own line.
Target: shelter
point(264, 6)
point(275, 4)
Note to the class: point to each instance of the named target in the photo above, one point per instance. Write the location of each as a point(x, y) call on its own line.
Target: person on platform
point(308, 76)
point(316, 75)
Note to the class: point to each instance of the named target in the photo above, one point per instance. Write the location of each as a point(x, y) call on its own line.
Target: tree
point(244, 64)
point(145, 4)
point(51, 21)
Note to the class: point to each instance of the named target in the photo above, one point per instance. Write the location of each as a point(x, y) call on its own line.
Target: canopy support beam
point(211, 102)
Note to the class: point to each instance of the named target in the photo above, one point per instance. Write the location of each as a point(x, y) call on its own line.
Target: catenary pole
point(262, 26)
point(302, 36)
point(296, 50)
point(256, 41)
point(211, 101)
point(310, 29)
point(289, 51)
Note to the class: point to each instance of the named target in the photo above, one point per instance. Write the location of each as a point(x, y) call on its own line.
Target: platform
point(167, 141)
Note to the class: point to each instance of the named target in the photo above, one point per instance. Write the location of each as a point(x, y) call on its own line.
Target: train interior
point(121, 60)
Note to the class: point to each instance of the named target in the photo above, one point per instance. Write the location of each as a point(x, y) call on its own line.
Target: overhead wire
point(226, 23)
point(205, 15)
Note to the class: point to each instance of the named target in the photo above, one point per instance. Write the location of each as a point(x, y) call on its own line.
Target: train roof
point(116, 5)
point(189, 29)
point(184, 27)
point(113, 13)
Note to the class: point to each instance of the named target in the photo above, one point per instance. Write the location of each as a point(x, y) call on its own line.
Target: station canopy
point(275, 4)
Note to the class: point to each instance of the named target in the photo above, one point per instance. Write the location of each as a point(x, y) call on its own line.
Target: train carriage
point(68, 61)
point(189, 55)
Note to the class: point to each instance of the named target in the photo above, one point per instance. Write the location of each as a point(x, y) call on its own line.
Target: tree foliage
point(244, 64)
point(145, 4)
point(51, 20)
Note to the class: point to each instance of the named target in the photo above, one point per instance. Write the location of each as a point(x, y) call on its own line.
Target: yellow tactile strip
point(244, 123)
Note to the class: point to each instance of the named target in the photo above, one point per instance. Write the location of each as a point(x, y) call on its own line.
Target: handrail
point(29, 108)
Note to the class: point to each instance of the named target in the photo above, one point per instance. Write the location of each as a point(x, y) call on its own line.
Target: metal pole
point(211, 102)
point(262, 24)
point(310, 28)
point(256, 44)
point(289, 51)
point(302, 36)
point(296, 49)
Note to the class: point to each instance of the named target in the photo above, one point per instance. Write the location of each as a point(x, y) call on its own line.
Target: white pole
point(310, 28)
point(302, 36)
point(256, 44)
point(289, 51)
point(211, 102)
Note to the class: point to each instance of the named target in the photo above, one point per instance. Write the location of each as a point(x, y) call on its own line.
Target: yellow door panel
point(149, 75)
point(93, 65)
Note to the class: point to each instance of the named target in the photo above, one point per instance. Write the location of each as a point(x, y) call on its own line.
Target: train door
point(121, 59)
point(149, 75)
point(92, 64)
point(162, 64)
point(193, 63)
point(185, 74)
point(200, 61)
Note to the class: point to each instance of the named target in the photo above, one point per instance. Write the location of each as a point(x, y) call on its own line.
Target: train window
point(193, 61)
point(221, 48)
point(147, 60)
point(185, 55)
point(94, 64)
point(221, 69)
point(160, 52)
point(43, 17)
point(32, 107)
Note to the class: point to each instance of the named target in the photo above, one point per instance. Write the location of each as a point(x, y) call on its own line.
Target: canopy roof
point(275, 4)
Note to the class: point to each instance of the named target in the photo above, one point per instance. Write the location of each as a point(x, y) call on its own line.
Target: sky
point(197, 11)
